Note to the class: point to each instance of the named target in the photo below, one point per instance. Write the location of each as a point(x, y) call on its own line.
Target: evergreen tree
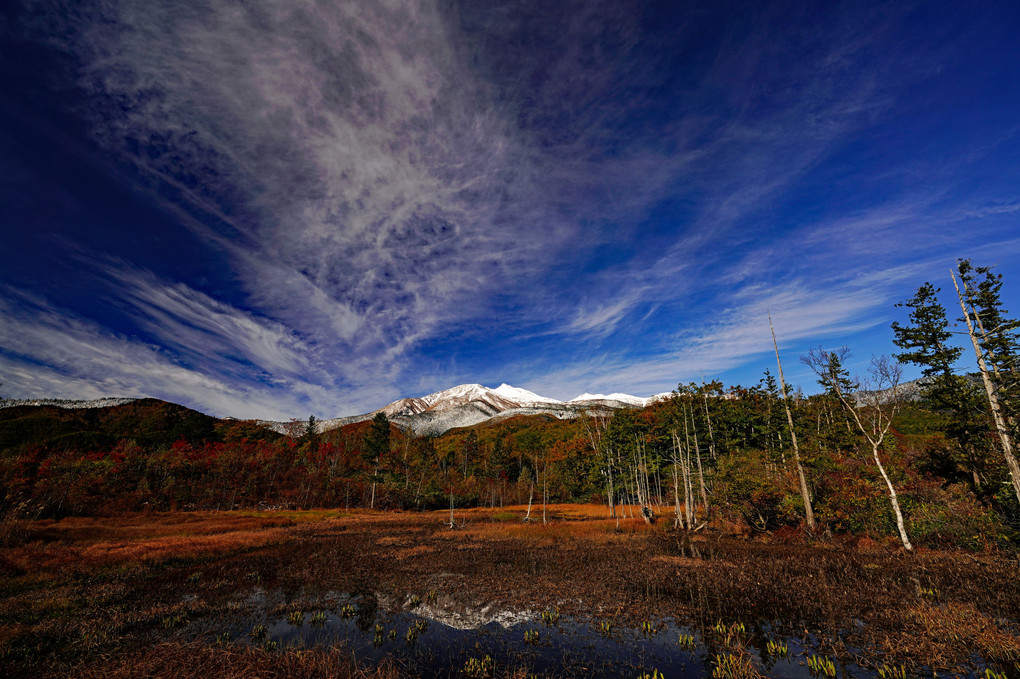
point(377, 444)
point(310, 438)
point(997, 334)
point(926, 343)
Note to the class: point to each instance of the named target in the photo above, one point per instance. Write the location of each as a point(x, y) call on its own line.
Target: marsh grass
point(83, 589)
point(730, 665)
point(198, 661)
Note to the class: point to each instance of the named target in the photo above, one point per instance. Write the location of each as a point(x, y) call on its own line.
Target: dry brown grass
point(103, 586)
point(86, 543)
point(935, 634)
point(96, 553)
point(201, 661)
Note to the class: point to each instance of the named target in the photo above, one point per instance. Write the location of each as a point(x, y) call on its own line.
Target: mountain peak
point(518, 395)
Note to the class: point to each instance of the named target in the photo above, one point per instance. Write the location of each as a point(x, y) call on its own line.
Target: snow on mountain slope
point(621, 398)
point(522, 396)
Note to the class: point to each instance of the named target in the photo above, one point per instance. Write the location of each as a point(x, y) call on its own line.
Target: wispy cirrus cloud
point(47, 350)
point(407, 194)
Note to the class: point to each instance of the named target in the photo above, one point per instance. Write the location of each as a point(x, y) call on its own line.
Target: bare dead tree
point(708, 419)
point(880, 400)
point(688, 482)
point(809, 514)
point(595, 426)
point(676, 480)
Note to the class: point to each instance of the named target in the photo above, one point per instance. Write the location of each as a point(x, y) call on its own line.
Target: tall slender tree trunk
point(676, 479)
point(701, 475)
point(545, 491)
point(708, 419)
point(452, 523)
point(893, 500)
point(993, 400)
point(809, 514)
point(688, 485)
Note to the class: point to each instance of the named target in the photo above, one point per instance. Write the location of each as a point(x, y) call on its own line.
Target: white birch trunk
point(809, 514)
point(993, 400)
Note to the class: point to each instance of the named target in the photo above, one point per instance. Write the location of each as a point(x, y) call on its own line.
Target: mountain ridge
point(468, 404)
point(432, 414)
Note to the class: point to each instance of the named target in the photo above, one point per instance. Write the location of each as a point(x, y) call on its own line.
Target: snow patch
point(522, 396)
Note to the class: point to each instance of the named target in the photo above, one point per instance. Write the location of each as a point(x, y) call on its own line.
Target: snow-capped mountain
point(470, 404)
point(636, 401)
point(521, 396)
point(434, 414)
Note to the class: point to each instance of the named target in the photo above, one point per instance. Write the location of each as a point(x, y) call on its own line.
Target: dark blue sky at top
point(281, 208)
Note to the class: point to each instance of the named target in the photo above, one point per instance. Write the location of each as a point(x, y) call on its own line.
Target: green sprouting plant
point(259, 632)
point(419, 627)
point(270, 646)
point(777, 648)
point(415, 601)
point(648, 628)
point(730, 666)
point(893, 672)
point(730, 635)
point(478, 668)
point(820, 665)
point(318, 619)
point(195, 577)
point(431, 597)
point(393, 634)
point(175, 620)
point(223, 638)
point(930, 592)
point(992, 674)
point(531, 636)
point(253, 576)
point(655, 674)
point(296, 618)
point(347, 611)
point(605, 628)
point(550, 618)
point(686, 641)
point(722, 629)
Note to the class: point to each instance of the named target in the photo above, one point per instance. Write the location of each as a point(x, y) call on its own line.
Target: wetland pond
point(440, 637)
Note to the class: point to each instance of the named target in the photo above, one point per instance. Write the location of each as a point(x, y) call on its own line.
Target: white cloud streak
point(47, 351)
point(380, 176)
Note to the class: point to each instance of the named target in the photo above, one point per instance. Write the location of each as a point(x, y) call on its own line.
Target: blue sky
point(283, 208)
